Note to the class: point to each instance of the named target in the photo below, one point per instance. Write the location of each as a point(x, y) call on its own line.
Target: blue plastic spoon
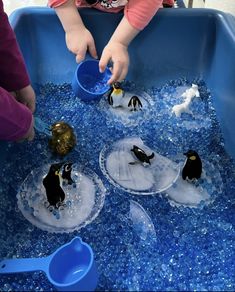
point(41, 126)
point(70, 268)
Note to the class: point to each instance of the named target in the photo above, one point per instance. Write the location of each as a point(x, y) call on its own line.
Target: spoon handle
point(24, 265)
point(41, 126)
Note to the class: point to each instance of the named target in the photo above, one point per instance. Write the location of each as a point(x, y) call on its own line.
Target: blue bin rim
point(228, 19)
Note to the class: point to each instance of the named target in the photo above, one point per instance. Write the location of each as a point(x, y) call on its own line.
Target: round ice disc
point(84, 198)
point(202, 191)
point(124, 170)
point(128, 111)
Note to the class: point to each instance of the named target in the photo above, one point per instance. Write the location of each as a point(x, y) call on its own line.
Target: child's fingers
point(31, 135)
point(29, 101)
point(13, 93)
point(31, 132)
point(80, 56)
point(123, 73)
point(31, 105)
point(116, 72)
point(81, 53)
point(104, 61)
point(27, 97)
point(92, 49)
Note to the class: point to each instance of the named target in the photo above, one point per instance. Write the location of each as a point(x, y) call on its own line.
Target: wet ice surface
point(84, 200)
point(192, 193)
point(163, 174)
point(125, 114)
point(137, 178)
point(140, 243)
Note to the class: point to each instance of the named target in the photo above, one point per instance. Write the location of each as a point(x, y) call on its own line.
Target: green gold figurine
point(63, 138)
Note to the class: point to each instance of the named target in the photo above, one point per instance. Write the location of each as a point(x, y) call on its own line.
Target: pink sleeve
point(56, 3)
point(15, 118)
point(140, 12)
point(169, 2)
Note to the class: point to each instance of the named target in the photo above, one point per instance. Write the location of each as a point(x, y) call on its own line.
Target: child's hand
point(78, 41)
point(26, 96)
point(30, 134)
point(118, 54)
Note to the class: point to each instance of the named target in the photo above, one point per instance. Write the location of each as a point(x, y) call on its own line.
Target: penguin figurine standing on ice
point(116, 95)
point(54, 192)
point(135, 103)
point(193, 166)
point(141, 155)
point(66, 173)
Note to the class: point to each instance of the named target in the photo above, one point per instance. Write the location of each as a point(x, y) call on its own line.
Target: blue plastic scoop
point(88, 82)
point(70, 268)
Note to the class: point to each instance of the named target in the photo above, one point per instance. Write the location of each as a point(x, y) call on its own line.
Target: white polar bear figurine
point(189, 94)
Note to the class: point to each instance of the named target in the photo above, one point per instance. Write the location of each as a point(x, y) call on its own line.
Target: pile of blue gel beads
point(186, 249)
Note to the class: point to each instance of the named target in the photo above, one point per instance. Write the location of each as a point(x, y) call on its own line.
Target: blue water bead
point(7, 287)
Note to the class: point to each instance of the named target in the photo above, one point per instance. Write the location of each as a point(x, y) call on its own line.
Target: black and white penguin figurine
point(135, 103)
point(141, 155)
point(193, 166)
point(116, 95)
point(54, 192)
point(66, 173)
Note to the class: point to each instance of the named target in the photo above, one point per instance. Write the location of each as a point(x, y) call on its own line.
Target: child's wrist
point(113, 42)
point(118, 41)
point(78, 28)
point(69, 16)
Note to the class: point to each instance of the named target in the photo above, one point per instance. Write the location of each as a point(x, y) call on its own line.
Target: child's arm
point(137, 15)
point(116, 50)
point(78, 37)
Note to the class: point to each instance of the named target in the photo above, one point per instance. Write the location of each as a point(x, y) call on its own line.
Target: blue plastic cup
point(88, 83)
point(70, 268)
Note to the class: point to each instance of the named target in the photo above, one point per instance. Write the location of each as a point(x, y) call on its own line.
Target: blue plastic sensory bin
point(149, 228)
